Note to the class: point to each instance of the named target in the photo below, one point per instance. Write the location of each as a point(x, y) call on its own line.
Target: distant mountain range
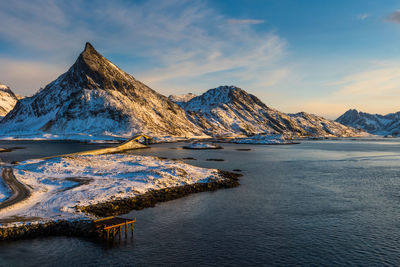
point(95, 97)
point(372, 123)
point(228, 110)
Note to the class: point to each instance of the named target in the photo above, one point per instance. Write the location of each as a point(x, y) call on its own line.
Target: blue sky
point(317, 56)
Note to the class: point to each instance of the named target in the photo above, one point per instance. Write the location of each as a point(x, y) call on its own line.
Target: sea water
point(332, 202)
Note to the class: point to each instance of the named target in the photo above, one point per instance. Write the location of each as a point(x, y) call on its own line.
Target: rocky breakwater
point(84, 227)
point(151, 198)
point(77, 228)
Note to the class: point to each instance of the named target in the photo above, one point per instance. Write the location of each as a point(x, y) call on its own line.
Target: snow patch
point(263, 139)
point(202, 146)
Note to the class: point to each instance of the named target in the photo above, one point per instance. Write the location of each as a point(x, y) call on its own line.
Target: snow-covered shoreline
point(264, 140)
point(59, 185)
point(201, 145)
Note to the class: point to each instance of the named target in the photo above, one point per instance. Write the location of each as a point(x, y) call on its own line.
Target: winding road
point(19, 191)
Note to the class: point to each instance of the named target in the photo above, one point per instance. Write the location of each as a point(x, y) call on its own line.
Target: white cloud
point(369, 83)
point(362, 16)
point(245, 21)
point(184, 43)
point(376, 89)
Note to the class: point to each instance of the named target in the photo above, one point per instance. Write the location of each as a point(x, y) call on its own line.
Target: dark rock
point(149, 199)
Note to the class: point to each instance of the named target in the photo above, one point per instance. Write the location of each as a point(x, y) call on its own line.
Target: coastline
point(151, 198)
point(83, 227)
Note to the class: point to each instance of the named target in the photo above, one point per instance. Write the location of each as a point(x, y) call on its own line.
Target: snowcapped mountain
point(373, 123)
point(96, 97)
point(7, 100)
point(230, 110)
point(319, 126)
point(180, 99)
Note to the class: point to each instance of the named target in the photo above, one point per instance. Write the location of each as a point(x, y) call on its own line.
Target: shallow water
point(38, 149)
point(321, 203)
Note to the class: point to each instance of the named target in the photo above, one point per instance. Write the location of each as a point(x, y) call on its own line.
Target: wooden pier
point(109, 227)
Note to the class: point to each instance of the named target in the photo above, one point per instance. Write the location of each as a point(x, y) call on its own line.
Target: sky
point(318, 56)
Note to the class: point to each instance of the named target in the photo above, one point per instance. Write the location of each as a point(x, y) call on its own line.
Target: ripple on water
point(317, 203)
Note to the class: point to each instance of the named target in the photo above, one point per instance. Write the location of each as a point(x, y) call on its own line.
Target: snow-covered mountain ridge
point(96, 97)
point(228, 110)
point(373, 123)
point(7, 100)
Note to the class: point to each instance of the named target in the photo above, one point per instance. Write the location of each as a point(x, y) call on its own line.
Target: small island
point(202, 146)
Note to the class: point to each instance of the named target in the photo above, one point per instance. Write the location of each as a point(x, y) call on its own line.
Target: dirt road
point(18, 190)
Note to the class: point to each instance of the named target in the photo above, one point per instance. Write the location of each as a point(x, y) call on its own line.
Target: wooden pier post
point(126, 231)
point(109, 227)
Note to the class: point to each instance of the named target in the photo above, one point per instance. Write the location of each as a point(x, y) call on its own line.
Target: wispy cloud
point(375, 89)
point(245, 21)
point(184, 44)
point(362, 16)
point(394, 17)
point(369, 83)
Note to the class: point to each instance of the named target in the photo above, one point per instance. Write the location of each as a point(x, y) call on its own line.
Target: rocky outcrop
point(81, 228)
point(149, 199)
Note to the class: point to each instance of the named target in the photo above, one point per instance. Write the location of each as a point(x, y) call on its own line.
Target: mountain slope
point(319, 126)
point(230, 110)
point(96, 97)
point(373, 123)
point(181, 99)
point(7, 100)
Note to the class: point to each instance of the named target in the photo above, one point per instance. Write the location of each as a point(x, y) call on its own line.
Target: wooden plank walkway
point(109, 227)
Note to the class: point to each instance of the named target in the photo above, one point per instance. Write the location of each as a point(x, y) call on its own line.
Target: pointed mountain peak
point(89, 46)
point(93, 70)
point(90, 51)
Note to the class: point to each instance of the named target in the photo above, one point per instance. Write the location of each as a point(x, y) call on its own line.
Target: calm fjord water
point(320, 202)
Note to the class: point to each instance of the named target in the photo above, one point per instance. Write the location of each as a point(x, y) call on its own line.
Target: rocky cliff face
point(230, 110)
point(7, 100)
point(96, 97)
point(373, 123)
